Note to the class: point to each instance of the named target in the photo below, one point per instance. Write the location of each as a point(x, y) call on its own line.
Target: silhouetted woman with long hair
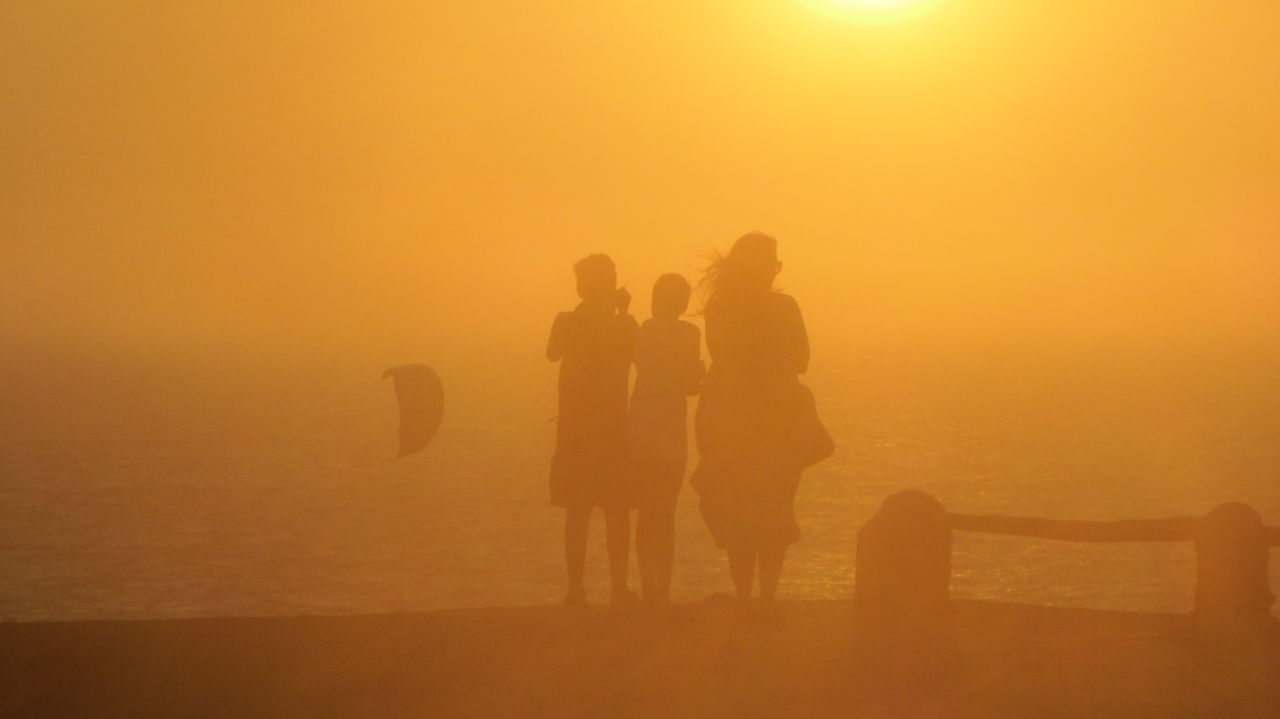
point(756, 425)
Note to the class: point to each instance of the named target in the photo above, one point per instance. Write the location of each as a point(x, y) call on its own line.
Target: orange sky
point(391, 177)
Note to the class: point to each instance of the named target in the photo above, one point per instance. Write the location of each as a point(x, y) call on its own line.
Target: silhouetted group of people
point(756, 425)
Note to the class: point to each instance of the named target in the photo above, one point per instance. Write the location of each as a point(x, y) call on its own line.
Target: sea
point(196, 485)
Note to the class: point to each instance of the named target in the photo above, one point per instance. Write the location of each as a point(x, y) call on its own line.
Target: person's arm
point(797, 350)
point(692, 366)
point(559, 342)
point(630, 328)
point(630, 332)
point(712, 330)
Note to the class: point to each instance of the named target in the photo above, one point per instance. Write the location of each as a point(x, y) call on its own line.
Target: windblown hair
point(729, 276)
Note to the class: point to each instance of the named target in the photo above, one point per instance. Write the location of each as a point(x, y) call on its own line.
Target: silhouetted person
point(594, 344)
point(668, 369)
point(756, 424)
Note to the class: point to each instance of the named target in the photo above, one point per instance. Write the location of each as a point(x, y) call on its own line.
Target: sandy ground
point(695, 661)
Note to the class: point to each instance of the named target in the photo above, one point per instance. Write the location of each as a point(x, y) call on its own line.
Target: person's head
point(747, 271)
point(670, 296)
point(597, 277)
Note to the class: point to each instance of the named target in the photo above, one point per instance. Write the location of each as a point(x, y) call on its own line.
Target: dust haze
point(390, 180)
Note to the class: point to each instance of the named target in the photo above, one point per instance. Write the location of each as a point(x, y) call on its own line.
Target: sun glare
point(877, 11)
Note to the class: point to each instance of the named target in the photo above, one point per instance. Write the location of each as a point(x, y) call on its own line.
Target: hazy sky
point(390, 177)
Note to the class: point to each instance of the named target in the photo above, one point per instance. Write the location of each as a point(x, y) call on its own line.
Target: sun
point(875, 11)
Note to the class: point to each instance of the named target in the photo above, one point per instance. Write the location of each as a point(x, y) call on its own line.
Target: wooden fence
point(904, 561)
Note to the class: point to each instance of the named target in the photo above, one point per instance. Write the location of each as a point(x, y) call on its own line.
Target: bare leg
point(665, 548)
point(576, 521)
point(647, 550)
point(617, 523)
point(742, 565)
point(771, 571)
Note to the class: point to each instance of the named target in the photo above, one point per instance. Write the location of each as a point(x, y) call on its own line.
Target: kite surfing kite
point(421, 399)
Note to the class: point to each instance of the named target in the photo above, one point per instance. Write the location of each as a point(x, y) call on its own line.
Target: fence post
point(904, 567)
point(1233, 593)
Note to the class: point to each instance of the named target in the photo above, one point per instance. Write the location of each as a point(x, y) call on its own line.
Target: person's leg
point(664, 530)
point(577, 519)
point(646, 549)
point(617, 524)
point(742, 565)
point(771, 570)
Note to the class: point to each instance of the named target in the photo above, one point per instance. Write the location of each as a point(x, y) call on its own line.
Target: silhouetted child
point(668, 369)
point(594, 344)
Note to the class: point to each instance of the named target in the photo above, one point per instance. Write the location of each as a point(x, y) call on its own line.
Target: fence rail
point(1174, 529)
point(904, 560)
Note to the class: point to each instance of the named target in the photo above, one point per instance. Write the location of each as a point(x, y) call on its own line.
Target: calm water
point(195, 488)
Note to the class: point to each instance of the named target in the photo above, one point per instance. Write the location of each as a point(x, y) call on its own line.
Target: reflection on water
point(232, 491)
